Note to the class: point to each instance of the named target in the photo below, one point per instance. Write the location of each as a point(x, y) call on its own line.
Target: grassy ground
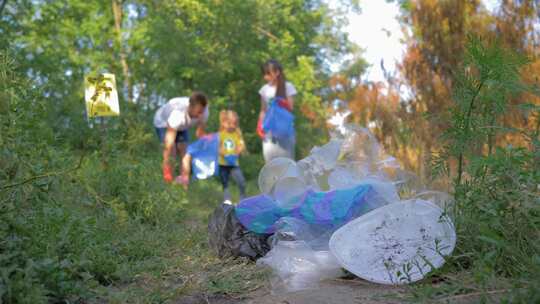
point(115, 233)
point(178, 261)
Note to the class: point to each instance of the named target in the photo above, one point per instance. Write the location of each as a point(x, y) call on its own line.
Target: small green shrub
point(497, 210)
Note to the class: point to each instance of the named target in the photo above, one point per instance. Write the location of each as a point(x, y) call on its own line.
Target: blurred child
point(231, 145)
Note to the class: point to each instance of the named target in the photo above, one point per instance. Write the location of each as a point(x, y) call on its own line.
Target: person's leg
point(161, 134)
point(224, 172)
point(290, 146)
point(274, 148)
point(186, 165)
point(240, 181)
point(265, 156)
point(185, 171)
point(181, 151)
point(182, 139)
point(167, 137)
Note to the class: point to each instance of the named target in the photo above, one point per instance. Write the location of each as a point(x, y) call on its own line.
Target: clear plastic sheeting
point(360, 145)
point(274, 170)
point(292, 229)
point(287, 189)
point(300, 257)
point(395, 244)
point(344, 205)
point(297, 267)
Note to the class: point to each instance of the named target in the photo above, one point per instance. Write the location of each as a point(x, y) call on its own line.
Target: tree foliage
point(416, 99)
point(82, 203)
point(436, 50)
point(496, 187)
point(163, 49)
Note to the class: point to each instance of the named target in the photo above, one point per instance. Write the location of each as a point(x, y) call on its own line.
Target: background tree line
point(84, 213)
point(162, 49)
point(409, 111)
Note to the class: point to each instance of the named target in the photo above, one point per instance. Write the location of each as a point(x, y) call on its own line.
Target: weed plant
point(496, 185)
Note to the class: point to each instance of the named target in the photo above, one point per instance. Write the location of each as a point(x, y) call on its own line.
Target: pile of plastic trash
point(345, 206)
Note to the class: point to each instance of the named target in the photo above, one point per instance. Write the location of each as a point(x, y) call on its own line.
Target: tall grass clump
point(496, 184)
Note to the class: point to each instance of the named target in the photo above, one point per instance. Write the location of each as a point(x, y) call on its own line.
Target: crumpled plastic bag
point(278, 121)
point(328, 210)
point(204, 156)
point(297, 267)
point(300, 257)
point(228, 238)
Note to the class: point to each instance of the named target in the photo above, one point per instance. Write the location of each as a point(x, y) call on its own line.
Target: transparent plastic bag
point(274, 170)
point(300, 257)
point(288, 191)
point(278, 121)
point(293, 229)
point(298, 267)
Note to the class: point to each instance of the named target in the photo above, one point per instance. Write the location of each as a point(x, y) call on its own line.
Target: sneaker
point(227, 202)
point(167, 174)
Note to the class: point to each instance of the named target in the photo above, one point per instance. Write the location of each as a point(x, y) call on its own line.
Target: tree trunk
point(117, 11)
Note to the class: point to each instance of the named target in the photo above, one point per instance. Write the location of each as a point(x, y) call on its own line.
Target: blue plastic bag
point(231, 160)
point(278, 121)
point(329, 210)
point(204, 156)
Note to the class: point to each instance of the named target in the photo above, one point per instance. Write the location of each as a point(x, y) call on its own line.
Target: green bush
point(80, 205)
point(497, 192)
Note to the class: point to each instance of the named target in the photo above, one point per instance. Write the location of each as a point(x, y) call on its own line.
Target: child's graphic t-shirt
point(229, 141)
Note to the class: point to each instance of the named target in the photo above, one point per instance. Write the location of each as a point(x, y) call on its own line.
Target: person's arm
point(290, 99)
point(291, 92)
point(221, 149)
point(263, 109)
point(241, 146)
point(201, 129)
point(260, 130)
point(186, 168)
point(287, 103)
point(168, 146)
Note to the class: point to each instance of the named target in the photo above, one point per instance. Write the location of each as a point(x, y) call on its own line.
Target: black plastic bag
point(228, 238)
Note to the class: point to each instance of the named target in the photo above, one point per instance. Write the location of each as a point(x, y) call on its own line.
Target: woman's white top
point(268, 91)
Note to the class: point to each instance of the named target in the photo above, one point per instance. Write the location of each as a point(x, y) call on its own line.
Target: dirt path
point(329, 292)
point(357, 291)
point(337, 291)
point(333, 292)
